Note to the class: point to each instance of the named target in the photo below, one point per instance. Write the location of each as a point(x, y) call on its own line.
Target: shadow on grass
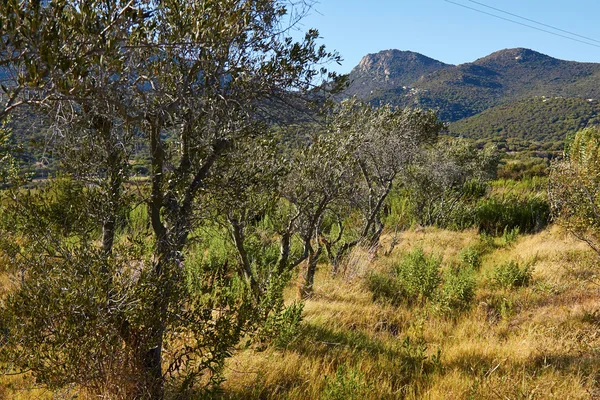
point(580, 364)
point(405, 364)
point(317, 340)
point(483, 366)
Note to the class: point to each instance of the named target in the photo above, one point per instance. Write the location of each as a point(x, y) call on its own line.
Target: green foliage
point(486, 243)
point(574, 188)
point(348, 383)
point(419, 274)
point(414, 280)
point(471, 258)
point(111, 300)
point(512, 275)
point(445, 195)
point(80, 317)
point(417, 278)
point(500, 305)
point(8, 164)
point(510, 236)
point(415, 358)
point(524, 168)
point(385, 287)
point(60, 207)
point(539, 121)
point(399, 210)
point(497, 214)
point(458, 289)
point(283, 325)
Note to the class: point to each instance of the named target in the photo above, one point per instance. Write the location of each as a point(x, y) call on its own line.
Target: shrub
point(415, 360)
point(511, 275)
point(419, 274)
point(574, 187)
point(413, 280)
point(348, 383)
point(458, 290)
point(385, 287)
point(497, 214)
point(499, 306)
point(485, 244)
point(471, 257)
point(510, 236)
point(282, 325)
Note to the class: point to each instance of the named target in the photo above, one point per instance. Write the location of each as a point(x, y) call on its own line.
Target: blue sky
point(450, 33)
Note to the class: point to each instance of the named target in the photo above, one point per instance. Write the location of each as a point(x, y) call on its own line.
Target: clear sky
point(451, 33)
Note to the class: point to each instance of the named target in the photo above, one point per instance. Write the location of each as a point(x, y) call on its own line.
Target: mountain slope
point(464, 90)
point(539, 120)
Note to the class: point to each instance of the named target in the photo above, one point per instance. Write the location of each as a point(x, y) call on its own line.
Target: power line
point(536, 22)
point(522, 24)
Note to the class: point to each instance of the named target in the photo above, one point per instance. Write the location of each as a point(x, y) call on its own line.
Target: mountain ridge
point(407, 78)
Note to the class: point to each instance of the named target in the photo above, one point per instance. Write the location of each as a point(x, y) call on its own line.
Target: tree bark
point(237, 234)
point(306, 289)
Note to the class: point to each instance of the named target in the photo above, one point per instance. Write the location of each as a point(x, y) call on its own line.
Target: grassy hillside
point(534, 338)
point(541, 122)
point(536, 342)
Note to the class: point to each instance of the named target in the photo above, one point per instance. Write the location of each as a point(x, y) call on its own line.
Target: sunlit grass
point(540, 341)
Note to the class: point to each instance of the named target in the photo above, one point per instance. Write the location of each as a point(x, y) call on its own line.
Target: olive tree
point(574, 188)
point(189, 78)
point(390, 141)
point(448, 177)
point(321, 182)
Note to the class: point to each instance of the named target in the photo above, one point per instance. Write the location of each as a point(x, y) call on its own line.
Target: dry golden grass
point(535, 342)
point(544, 343)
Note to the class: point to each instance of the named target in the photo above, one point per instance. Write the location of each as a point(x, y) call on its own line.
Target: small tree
point(390, 141)
point(321, 183)
point(574, 188)
point(450, 175)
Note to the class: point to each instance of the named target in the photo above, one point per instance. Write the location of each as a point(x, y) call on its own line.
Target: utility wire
point(522, 24)
point(536, 22)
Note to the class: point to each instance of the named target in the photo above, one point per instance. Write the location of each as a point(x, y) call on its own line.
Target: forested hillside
point(488, 99)
point(540, 122)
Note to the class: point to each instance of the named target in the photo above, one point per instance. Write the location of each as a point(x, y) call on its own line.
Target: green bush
point(470, 257)
point(512, 275)
point(385, 287)
point(415, 358)
point(458, 290)
point(497, 214)
point(510, 236)
point(419, 274)
point(282, 326)
point(348, 383)
point(413, 280)
point(500, 306)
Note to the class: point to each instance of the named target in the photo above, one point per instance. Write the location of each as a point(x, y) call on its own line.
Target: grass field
point(536, 340)
point(540, 341)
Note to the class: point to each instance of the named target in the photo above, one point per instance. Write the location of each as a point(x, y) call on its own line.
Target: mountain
point(539, 123)
point(465, 90)
point(389, 70)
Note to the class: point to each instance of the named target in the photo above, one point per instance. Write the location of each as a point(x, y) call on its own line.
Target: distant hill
point(535, 121)
point(465, 90)
point(389, 70)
